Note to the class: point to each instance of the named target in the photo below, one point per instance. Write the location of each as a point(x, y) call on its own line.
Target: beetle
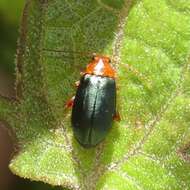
point(94, 105)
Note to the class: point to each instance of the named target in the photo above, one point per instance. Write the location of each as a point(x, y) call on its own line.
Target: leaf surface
point(149, 148)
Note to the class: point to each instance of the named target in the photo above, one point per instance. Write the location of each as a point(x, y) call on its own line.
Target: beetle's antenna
point(90, 54)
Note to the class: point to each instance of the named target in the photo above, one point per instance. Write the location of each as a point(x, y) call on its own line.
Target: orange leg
point(77, 83)
point(70, 103)
point(117, 117)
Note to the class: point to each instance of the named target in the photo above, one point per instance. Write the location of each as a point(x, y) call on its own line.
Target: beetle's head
point(100, 65)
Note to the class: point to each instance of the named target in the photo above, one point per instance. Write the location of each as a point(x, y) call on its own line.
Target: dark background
point(10, 16)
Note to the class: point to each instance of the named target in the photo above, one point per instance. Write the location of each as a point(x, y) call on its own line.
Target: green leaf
point(143, 151)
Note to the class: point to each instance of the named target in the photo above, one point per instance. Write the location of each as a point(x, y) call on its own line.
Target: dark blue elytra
point(93, 109)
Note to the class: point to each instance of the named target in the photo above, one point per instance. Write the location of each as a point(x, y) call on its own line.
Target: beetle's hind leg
point(117, 116)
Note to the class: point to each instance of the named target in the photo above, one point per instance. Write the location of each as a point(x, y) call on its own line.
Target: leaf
point(146, 149)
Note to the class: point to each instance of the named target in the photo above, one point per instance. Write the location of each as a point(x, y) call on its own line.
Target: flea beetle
point(94, 105)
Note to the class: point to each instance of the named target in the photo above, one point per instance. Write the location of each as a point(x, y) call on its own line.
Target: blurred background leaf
point(10, 16)
point(10, 12)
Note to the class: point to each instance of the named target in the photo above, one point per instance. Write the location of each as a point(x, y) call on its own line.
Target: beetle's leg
point(77, 83)
point(70, 102)
point(117, 117)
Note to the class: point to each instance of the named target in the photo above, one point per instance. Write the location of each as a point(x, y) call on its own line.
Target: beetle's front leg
point(77, 83)
point(70, 102)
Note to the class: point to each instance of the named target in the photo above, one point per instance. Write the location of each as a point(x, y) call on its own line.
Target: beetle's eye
point(93, 58)
point(109, 60)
